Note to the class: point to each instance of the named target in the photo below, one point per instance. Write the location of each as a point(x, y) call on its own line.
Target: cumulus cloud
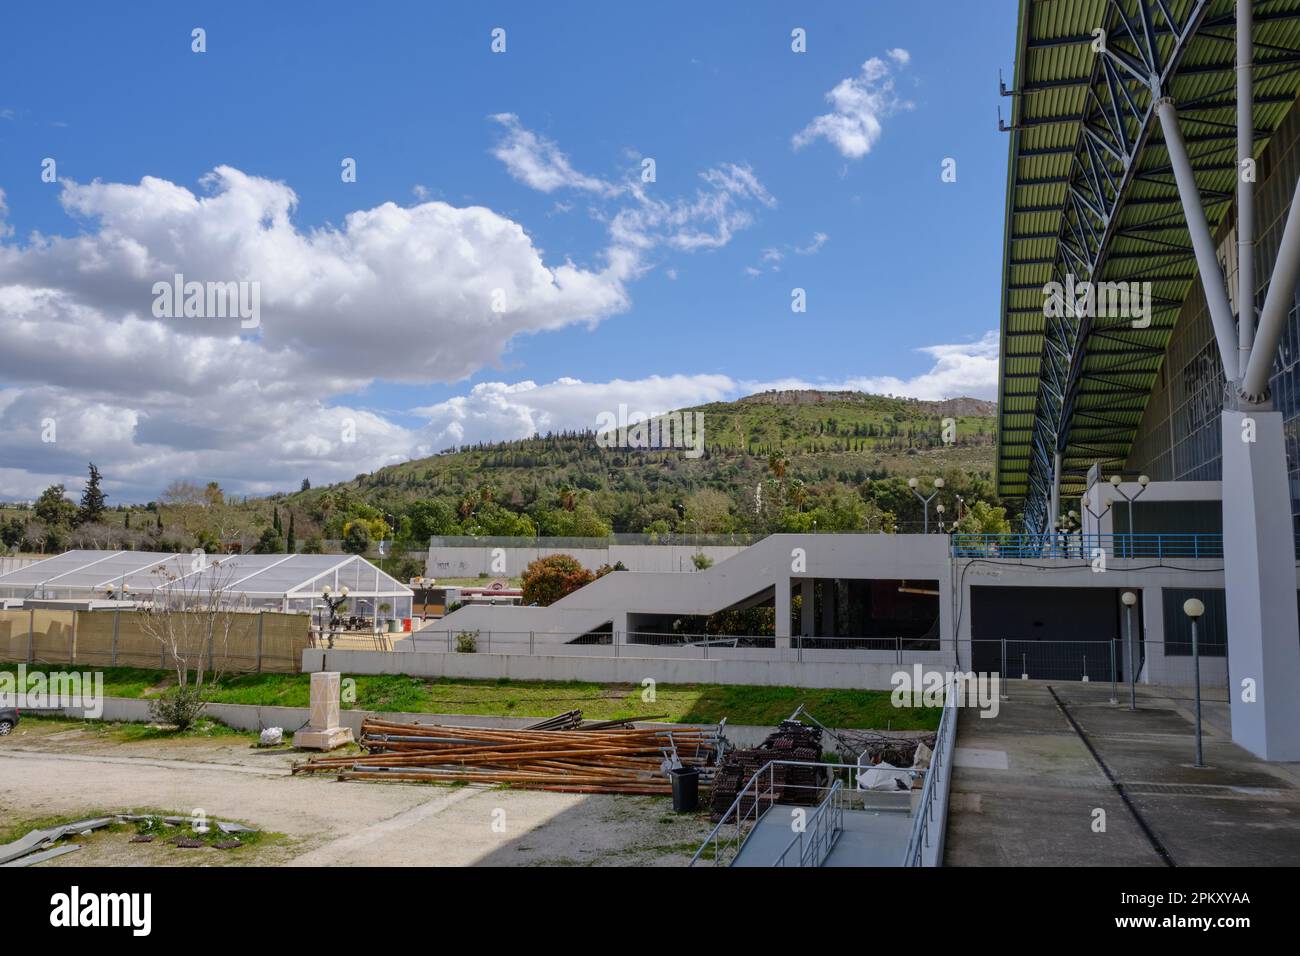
point(449, 287)
point(859, 106)
point(419, 294)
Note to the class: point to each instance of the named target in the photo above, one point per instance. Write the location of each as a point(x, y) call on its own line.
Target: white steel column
point(1245, 185)
point(1278, 303)
point(1216, 294)
point(1054, 507)
point(1259, 572)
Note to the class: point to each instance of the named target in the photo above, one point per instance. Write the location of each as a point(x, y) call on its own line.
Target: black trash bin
point(686, 788)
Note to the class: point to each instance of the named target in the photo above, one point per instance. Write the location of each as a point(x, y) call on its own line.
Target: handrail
point(821, 842)
point(1062, 545)
point(757, 809)
point(734, 809)
point(936, 776)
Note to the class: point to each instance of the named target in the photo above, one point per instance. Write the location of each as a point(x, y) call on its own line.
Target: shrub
point(548, 579)
point(467, 642)
point(179, 706)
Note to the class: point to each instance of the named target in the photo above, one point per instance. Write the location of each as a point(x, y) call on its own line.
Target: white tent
point(280, 582)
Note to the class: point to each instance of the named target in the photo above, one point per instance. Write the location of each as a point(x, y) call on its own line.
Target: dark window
point(1211, 629)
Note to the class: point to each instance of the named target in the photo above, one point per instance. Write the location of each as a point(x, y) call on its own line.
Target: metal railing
point(1087, 546)
point(816, 839)
point(927, 831)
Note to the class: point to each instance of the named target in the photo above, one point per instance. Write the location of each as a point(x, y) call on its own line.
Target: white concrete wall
point(1103, 491)
point(254, 718)
point(774, 562)
point(615, 670)
point(1144, 575)
point(9, 563)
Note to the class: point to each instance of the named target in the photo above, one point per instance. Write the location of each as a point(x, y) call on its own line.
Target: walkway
point(1027, 791)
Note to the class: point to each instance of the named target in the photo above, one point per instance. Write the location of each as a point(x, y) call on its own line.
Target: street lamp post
point(925, 502)
point(1130, 599)
point(1194, 609)
point(1085, 503)
point(1143, 481)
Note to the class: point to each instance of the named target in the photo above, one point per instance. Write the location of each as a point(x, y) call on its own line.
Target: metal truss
point(1144, 43)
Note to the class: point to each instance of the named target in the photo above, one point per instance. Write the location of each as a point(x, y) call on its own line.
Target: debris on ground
point(596, 759)
point(13, 854)
point(800, 786)
point(40, 845)
point(271, 737)
point(879, 748)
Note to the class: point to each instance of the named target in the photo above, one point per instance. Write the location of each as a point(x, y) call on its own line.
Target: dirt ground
point(50, 769)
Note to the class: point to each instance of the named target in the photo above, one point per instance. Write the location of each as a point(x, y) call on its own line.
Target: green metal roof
point(1089, 184)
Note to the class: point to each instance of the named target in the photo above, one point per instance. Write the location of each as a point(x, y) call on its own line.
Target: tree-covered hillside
point(778, 461)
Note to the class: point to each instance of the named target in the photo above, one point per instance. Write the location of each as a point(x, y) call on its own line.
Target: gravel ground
point(56, 769)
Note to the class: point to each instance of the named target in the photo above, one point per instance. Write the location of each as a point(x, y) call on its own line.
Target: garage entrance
point(1050, 633)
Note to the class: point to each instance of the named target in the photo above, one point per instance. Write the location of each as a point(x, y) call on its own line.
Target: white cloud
point(462, 282)
point(818, 240)
point(499, 411)
point(968, 369)
point(644, 220)
point(537, 162)
point(396, 293)
point(859, 105)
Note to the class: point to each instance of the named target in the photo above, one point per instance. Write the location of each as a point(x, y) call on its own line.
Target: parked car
point(8, 720)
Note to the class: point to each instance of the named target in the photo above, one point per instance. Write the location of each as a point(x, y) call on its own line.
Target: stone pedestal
point(323, 731)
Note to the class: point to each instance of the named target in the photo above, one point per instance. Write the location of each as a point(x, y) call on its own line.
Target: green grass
point(203, 728)
point(682, 703)
point(118, 681)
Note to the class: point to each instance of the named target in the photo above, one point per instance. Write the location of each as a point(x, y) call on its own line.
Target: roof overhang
point(1091, 196)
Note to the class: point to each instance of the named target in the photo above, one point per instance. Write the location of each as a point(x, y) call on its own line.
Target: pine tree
point(290, 543)
point(92, 499)
point(275, 521)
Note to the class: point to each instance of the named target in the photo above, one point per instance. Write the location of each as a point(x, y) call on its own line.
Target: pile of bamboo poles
point(600, 760)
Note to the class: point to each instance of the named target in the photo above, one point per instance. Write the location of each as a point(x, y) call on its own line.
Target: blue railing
point(1086, 546)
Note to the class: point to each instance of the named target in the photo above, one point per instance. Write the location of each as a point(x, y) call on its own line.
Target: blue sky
point(680, 289)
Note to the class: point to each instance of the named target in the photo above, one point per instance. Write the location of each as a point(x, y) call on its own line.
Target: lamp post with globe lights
point(1085, 502)
point(1116, 483)
point(925, 502)
point(1130, 600)
point(1194, 609)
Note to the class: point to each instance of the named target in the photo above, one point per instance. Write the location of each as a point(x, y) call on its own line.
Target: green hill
point(776, 461)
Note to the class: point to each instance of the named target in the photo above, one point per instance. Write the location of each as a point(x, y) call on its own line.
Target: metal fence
point(1105, 660)
point(550, 543)
point(1087, 546)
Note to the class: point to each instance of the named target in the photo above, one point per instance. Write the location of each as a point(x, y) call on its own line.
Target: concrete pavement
point(1027, 791)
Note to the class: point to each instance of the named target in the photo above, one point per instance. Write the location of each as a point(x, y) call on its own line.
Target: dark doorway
point(1049, 633)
